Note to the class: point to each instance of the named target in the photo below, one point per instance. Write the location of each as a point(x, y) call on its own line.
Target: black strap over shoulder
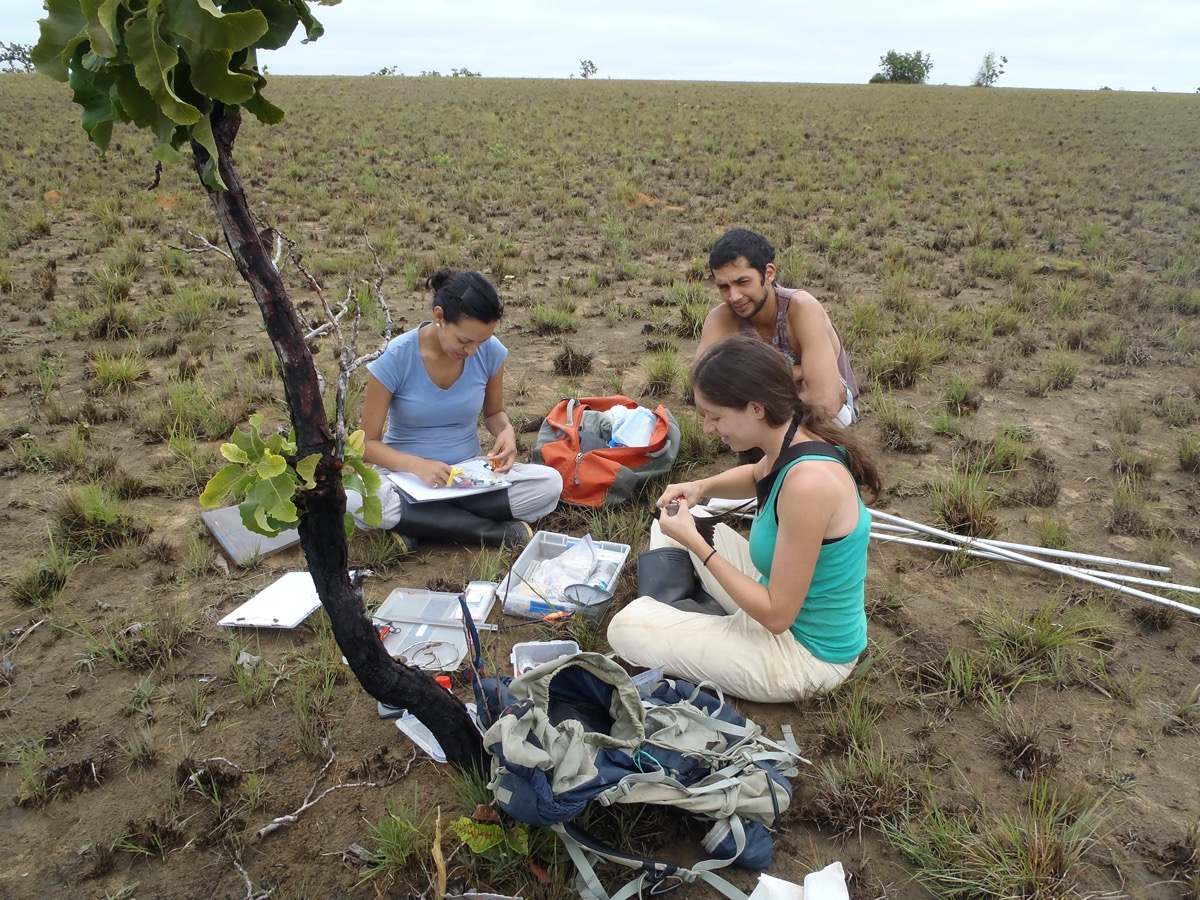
point(762, 489)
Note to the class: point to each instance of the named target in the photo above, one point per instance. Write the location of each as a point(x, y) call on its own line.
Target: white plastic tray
point(425, 627)
point(520, 598)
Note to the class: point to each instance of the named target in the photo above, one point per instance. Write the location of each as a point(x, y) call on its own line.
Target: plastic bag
point(573, 566)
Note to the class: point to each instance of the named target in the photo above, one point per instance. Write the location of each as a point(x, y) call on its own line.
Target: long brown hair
point(743, 370)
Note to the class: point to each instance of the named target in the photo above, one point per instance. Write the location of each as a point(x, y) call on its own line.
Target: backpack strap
point(788, 455)
point(571, 404)
point(653, 878)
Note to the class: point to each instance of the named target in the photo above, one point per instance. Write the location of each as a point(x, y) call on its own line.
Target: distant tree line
point(464, 72)
point(914, 68)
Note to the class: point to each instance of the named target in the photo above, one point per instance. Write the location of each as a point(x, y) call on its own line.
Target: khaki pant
point(734, 652)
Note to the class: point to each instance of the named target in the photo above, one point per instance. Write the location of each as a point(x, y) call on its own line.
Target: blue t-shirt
point(424, 419)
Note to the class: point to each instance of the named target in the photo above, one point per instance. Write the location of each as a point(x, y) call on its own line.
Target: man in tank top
point(743, 267)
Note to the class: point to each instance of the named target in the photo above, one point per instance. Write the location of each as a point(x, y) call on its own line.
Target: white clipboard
point(284, 603)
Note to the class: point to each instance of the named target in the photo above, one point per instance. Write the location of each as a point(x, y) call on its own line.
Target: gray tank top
point(779, 340)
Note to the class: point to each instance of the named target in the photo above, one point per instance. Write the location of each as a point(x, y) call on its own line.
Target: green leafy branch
point(265, 476)
point(164, 65)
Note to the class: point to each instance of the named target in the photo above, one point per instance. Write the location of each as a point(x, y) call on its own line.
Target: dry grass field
point(1017, 276)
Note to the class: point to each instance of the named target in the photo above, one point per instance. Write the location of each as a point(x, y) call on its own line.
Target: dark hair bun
point(438, 279)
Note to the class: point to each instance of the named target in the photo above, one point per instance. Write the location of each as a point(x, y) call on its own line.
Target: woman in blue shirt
point(794, 621)
point(424, 398)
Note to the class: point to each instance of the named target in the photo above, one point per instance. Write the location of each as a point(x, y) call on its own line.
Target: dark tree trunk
point(322, 533)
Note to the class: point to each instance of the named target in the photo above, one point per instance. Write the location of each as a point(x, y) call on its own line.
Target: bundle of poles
point(887, 528)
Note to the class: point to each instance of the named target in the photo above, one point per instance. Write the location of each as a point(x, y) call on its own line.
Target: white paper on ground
point(284, 603)
point(828, 884)
point(771, 888)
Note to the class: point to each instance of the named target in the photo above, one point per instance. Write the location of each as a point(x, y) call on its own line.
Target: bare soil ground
point(1021, 234)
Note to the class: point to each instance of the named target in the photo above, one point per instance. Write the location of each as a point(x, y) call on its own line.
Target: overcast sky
point(1137, 45)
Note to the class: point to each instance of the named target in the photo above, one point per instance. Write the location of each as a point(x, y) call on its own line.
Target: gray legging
point(533, 492)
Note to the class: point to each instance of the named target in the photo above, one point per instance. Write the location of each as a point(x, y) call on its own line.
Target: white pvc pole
point(1013, 556)
point(1029, 548)
point(903, 538)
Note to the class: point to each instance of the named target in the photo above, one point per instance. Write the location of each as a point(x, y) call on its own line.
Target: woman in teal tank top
point(795, 621)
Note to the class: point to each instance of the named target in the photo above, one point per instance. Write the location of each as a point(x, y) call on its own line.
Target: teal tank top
point(832, 624)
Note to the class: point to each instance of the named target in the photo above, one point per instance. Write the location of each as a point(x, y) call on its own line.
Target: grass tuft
point(866, 788)
point(969, 853)
point(89, 518)
point(572, 363)
point(42, 581)
point(966, 504)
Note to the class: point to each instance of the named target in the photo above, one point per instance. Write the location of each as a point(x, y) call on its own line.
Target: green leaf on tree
point(61, 32)
point(91, 92)
point(271, 465)
point(135, 101)
point(154, 61)
point(202, 23)
point(211, 74)
point(102, 26)
point(202, 134)
point(234, 453)
point(231, 479)
point(264, 110)
point(305, 469)
point(372, 510)
point(274, 495)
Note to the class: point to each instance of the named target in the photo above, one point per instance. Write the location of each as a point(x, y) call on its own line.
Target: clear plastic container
point(531, 654)
point(521, 597)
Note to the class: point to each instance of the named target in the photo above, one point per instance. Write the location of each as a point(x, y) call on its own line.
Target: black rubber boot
point(449, 523)
point(666, 574)
point(492, 505)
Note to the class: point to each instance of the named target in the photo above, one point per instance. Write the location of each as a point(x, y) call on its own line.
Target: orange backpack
point(574, 440)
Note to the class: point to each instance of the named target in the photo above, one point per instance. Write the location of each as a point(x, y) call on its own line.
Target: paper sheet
point(474, 476)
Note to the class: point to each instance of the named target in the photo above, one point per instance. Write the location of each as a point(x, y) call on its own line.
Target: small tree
point(904, 68)
point(184, 70)
point(587, 68)
point(989, 70)
point(15, 57)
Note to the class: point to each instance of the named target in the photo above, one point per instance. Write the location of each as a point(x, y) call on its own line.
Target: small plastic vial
point(603, 575)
